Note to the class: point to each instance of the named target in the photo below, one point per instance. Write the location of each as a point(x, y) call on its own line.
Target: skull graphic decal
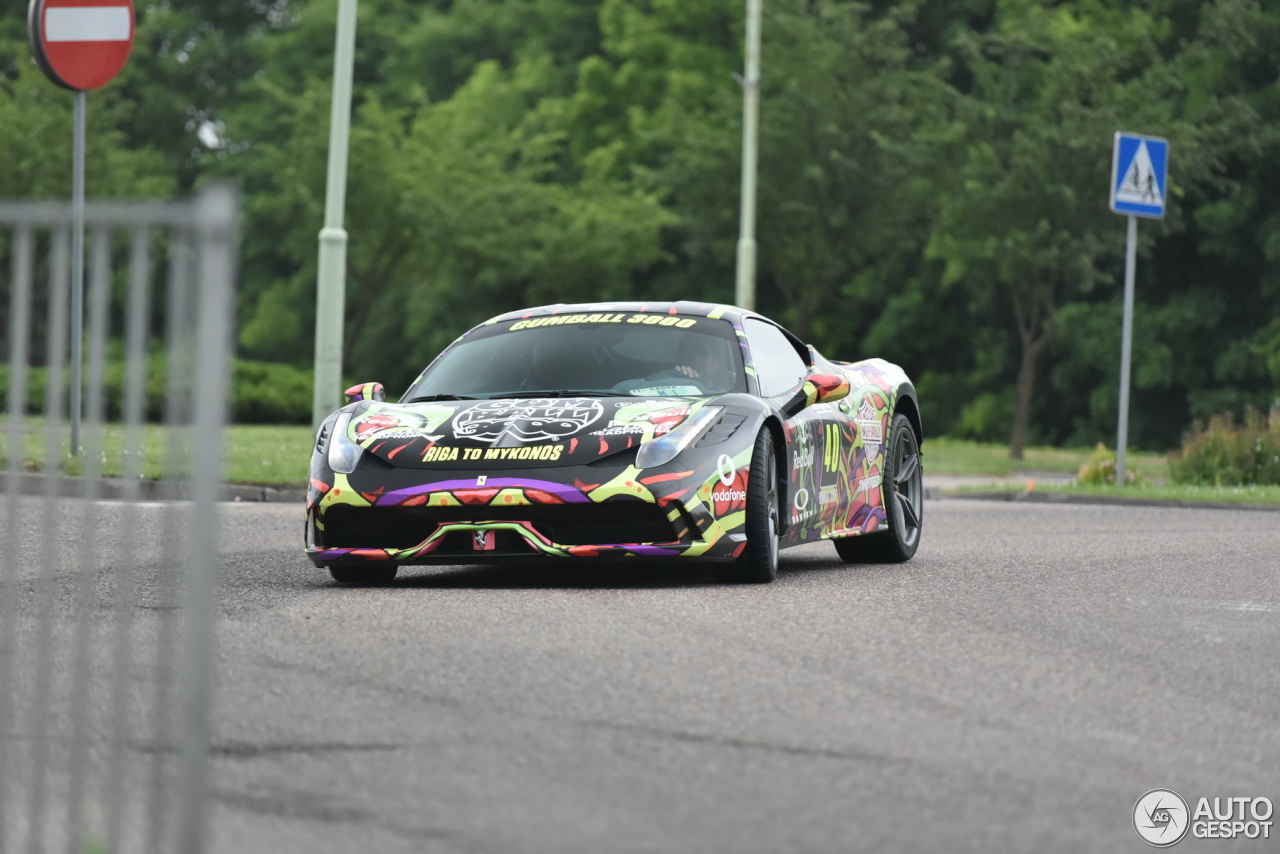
point(517, 422)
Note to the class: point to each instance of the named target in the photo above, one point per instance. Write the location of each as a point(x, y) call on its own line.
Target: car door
point(812, 493)
point(864, 423)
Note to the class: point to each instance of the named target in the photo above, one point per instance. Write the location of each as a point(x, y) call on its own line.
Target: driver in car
point(699, 358)
point(699, 367)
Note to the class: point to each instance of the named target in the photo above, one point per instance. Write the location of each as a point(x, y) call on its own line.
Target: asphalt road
point(1015, 687)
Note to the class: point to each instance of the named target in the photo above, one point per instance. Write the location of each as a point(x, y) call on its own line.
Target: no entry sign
point(81, 44)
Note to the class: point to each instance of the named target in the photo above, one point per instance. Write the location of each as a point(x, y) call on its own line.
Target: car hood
point(513, 432)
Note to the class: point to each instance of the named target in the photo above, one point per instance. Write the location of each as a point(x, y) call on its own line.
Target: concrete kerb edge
point(113, 489)
point(1063, 498)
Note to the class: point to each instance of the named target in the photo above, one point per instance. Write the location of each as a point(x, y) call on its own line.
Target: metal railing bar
point(216, 213)
point(80, 689)
point(55, 213)
point(177, 415)
point(137, 335)
point(46, 593)
point(19, 343)
point(99, 289)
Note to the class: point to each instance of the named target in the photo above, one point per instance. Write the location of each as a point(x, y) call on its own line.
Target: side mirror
point(366, 391)
point(825, 388)
point(818, 388)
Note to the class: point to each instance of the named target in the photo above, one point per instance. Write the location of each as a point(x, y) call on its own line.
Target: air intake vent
point(566, 524)
point(322, 440)
point(723, 429)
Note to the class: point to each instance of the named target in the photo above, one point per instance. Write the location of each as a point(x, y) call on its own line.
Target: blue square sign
point(1139, 175)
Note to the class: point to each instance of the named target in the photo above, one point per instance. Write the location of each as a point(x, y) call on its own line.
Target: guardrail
point(107, 607)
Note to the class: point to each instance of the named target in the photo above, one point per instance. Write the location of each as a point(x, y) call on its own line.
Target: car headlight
point(343, 453)
point(663, 449)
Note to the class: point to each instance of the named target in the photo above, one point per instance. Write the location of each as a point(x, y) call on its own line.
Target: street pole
point(332, 264)
point(1126, 347)
point(77, 269)
point(745, 285)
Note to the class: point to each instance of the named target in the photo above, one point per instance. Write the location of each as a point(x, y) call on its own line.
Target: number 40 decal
point(831, 448)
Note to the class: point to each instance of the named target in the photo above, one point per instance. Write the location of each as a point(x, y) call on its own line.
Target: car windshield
point(588, 354)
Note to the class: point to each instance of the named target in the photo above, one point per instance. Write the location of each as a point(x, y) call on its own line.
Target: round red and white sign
point(81, 44)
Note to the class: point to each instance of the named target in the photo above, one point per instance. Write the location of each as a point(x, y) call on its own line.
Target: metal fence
point(107, 607)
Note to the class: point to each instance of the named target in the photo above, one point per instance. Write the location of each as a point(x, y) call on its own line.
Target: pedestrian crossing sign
point(1139, 175)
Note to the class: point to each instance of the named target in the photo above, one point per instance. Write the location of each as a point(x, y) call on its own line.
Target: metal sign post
point(745, 285)
point(331, 272)
point(80, 45)
point(77, 271)
point(1139, 187)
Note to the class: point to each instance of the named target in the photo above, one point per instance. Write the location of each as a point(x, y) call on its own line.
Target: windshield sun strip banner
point(678, 321)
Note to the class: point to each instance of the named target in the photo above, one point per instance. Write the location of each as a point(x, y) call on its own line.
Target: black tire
point(369, 576)
point(903, 491)
point(758, 563)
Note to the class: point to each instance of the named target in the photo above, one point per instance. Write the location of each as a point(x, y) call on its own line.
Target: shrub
point(1101, 469)
point(1225, 453)
point(261, 392)
point(270, 393)
point(987, 418)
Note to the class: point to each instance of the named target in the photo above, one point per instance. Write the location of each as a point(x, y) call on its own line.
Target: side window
point(778, 366)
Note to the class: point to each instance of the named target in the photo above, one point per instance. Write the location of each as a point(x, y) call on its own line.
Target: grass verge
point(271, 455)
point(958, 456)
point(278, 455)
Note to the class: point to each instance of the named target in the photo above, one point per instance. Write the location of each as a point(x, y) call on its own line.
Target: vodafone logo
point(730, 494)
point(726, 469)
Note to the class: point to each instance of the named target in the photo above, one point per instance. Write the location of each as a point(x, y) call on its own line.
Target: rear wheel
point(758, 563)
point(903, 492)
point(365, 575)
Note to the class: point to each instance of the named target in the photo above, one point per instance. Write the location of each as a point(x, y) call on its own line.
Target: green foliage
point(962, 457)
point(931, 188)
point(114, 381)
point(36, 137)
point(454, 216)
point(1226, 453)
point(270, 393)
point(986, 418)
point(261, 392)
point(1101, 469)
point(1024, 226)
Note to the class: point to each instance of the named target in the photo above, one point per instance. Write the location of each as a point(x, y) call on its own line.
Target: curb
point(116, 489)
point(1063, 498)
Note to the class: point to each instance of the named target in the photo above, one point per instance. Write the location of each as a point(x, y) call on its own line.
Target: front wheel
point(370, 576)
point(903, 492)
point(758, 563)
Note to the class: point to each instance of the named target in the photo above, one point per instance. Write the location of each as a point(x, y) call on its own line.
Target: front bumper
point(475, 518)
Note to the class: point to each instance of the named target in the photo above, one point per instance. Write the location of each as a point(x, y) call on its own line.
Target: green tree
point(1026, 218)
point(36, 134)
point(1205, 285)
point(453, 214)
point(850, 121)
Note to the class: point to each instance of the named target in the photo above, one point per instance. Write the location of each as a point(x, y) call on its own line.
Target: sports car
point(610, 430)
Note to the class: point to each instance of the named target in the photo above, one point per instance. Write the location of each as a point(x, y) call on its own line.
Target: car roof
point(715, 311)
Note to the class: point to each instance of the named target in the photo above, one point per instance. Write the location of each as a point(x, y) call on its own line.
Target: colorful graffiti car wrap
point(586, 460)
